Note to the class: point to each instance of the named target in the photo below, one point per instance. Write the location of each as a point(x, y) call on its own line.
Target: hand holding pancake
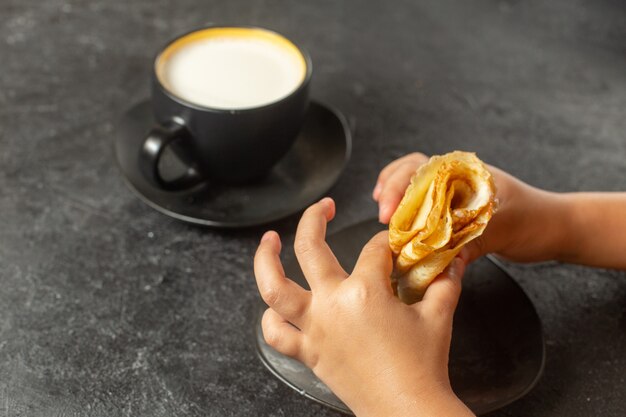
point(522, 229)
point(353, 332)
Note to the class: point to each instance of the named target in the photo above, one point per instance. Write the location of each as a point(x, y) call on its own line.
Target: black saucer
point(304, 175)
point(497, 352)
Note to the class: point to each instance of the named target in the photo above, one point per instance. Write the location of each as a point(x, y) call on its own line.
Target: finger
point(473, 250)
point(280, 334)
point(415, 157)
point(279, 292)
point(315, 257)
point(375, 263)
point(393, 190)
point(442, 296)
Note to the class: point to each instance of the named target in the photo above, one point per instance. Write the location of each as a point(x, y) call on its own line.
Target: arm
point(380, 356)
point(595, 225)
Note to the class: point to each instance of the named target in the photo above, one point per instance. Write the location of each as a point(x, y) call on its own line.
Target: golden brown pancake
point(449, 202)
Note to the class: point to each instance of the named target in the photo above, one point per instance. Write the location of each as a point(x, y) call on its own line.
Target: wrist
point(553, 225)
point(561, 220)
point(532, 229)
point(415, 403)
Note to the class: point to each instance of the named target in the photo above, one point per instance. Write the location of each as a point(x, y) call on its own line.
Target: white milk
point(233, 73)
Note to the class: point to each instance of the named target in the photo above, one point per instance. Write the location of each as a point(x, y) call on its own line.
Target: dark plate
point(305, 174)
point(497, 352)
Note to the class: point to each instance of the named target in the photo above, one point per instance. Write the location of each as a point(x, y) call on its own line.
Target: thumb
point(442, 295)
point(473, 250)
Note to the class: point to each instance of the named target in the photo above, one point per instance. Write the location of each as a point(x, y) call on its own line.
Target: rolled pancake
point(449, 202)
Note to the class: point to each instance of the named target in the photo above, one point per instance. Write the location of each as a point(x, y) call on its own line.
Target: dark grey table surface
point(108, 308)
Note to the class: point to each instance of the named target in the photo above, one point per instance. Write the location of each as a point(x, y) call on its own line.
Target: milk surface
point(233, 73)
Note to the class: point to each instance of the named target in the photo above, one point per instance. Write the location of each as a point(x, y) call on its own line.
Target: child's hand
point(380, 356)
point(525, 227)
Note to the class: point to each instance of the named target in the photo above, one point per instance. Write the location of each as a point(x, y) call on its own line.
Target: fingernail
point(382, 212)
point(267, 236)
point(327, 201)
point(464, 255)
point(456, 266)
point(377, 191)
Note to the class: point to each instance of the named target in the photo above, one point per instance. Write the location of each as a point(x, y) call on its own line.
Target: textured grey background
point(108, 308)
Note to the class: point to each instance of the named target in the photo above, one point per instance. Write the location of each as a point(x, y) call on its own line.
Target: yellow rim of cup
point(227, 32)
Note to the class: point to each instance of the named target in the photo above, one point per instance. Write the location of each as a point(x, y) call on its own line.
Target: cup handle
point(155, 143)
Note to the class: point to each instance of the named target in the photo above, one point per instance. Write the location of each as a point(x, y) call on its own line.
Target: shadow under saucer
point(310, 168)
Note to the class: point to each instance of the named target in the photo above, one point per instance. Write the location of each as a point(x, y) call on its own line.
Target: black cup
point(232, 146)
